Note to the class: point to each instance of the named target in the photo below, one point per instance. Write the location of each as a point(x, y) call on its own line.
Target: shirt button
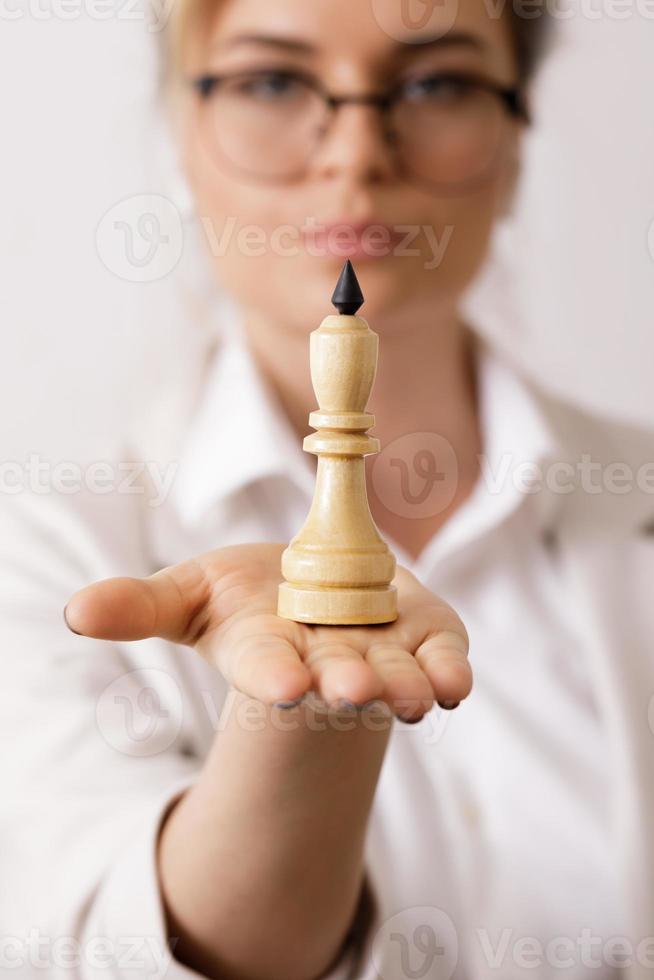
point(549, 538)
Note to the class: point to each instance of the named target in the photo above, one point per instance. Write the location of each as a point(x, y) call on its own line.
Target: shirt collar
point(240, 436)
point(237, 437)
point(518, 439)
point(518, 444)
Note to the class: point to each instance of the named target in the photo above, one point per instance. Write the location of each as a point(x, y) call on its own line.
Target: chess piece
point(338, 570)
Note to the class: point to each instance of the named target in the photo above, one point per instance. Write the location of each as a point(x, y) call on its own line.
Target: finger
point(443, 657)
point(259, 660)
point(339, 672)
point(169, 604)
point(407, 690)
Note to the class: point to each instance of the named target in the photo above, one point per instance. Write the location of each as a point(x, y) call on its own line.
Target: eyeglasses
point(445, 129)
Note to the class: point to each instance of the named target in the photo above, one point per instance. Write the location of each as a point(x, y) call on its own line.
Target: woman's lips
point(353, 239)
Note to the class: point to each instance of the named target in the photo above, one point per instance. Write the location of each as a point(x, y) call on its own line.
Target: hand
point(223, 604)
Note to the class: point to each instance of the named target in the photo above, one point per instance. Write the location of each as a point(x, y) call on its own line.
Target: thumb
point(169, 604)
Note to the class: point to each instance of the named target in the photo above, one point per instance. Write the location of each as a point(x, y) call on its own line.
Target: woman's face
point(278, 247)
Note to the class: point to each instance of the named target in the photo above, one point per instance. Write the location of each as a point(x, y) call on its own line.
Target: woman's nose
point(355, 145)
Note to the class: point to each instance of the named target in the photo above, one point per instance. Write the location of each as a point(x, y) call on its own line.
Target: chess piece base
point(337, 607)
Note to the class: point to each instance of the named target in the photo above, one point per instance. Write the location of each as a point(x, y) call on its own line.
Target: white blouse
point(490, 850)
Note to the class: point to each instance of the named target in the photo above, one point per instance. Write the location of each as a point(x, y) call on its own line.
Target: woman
point(260, 835)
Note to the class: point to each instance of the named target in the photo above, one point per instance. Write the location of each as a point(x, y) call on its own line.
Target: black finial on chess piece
point(348, 297)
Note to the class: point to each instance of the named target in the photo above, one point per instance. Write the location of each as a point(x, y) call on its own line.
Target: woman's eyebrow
point(267, 40)
point(452, 39)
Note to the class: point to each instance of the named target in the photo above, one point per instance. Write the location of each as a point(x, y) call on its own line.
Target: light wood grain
point(338, 570)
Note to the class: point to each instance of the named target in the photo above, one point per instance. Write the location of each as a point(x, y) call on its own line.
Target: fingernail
point(68, 624)
point(449, 705)
point(409, 720)
point(343, 703)
point(285, 705)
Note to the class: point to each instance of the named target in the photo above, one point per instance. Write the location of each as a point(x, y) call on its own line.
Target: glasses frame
point(511, 98)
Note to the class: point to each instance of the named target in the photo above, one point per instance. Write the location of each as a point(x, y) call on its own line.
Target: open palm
point(223, 604)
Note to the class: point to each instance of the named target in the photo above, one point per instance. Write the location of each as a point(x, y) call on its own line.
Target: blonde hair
point(185, 20)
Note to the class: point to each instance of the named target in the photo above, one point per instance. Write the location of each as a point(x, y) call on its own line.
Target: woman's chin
point(389, 286)
point(300, 290)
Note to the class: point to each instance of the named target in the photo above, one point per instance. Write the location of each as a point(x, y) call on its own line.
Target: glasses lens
point(264, 124)
point(448, 132)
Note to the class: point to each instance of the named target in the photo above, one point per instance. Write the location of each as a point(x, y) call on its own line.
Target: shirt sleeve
point(96, 741)
point(129, 903)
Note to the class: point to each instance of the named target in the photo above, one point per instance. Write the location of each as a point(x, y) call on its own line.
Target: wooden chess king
point(338, 571)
